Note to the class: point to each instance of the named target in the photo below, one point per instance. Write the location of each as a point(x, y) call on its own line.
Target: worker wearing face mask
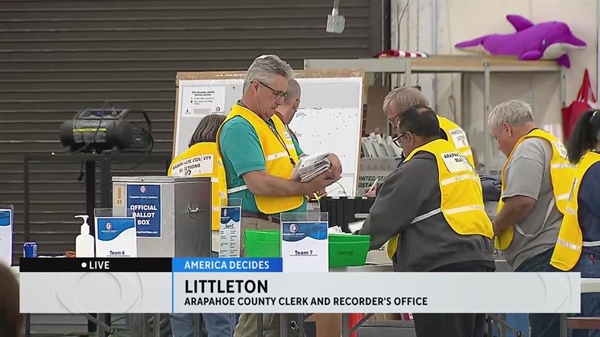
point(433, 207)
point(394, 104)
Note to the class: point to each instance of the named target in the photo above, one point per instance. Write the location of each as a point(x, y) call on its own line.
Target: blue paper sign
point(230, 231)
point(297, 231)
point(116, 237)
point(111, 227)
point(143, 201)
point(305, 246)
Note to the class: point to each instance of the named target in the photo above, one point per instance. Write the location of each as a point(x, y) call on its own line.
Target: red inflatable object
point(353, 320)
point(396, 53)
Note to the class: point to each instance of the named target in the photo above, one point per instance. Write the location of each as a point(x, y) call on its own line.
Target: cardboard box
point(376, 120)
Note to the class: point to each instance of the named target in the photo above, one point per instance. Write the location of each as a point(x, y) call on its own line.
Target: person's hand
point(336, 165)
point(371, 193)
point(321, 181)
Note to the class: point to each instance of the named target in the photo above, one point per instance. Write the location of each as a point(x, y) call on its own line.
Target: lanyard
point(292, 134)
point(272, 127)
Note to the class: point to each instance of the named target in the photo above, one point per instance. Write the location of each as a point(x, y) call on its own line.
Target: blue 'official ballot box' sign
point(144, 202)
point(258, 285)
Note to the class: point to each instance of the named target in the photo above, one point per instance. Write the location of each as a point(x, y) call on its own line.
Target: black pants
point(453, 325)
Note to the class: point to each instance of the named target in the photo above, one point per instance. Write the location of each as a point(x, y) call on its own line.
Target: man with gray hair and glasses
point(259, 158)
point(536, 180)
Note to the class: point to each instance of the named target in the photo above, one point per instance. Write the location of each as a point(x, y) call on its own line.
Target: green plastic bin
point(262, 243)
point(344, 250)
point(348, 250)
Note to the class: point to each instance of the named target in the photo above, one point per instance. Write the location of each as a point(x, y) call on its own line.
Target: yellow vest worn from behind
point(280, 158)
point(460, 190)
point(203, 160)
point(561, 174)
point(457, 136)
point(570, 239)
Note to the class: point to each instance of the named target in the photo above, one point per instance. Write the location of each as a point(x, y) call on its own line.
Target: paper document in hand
point(319, 168)
point(310, 167)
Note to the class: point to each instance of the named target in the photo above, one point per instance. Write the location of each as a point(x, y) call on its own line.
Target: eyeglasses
point(396, 139)
point(277, 93)
point(391, 120)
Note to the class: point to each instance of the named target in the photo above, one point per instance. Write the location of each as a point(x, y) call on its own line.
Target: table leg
point(156, 325)
point(563, 325)
point(27, 325)
point(197, 325)
point(489, 325)
point(284, 323)
point(503, 331)
point(101, 328)
point(345, 325)
point(259, 325)
point(300, 325)
point(145, 325)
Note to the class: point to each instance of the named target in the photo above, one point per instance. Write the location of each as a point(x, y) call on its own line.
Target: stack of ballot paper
point(311, 166)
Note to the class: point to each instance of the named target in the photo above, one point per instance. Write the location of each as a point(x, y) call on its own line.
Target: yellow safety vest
point(561, 174)
point(280, 158)
point(457, 137)
point(203, 160)
point(570, 240)
point(460, 190)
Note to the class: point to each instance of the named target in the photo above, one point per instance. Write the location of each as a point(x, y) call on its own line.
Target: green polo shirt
point(242, 153)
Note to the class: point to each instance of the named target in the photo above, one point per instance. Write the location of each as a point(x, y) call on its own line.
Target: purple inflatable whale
point(544, 41)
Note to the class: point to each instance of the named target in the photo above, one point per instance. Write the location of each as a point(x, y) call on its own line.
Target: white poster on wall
point(201, 101)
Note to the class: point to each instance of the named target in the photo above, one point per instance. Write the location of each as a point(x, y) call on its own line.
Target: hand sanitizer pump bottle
point(84, 243)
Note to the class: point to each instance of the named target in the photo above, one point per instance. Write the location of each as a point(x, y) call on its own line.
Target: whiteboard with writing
point(329, 118)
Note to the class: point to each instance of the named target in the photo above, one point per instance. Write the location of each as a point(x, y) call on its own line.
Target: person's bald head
point(291, 103)
point(417, 125)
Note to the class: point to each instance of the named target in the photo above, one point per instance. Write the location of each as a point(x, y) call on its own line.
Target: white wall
point(459, 20)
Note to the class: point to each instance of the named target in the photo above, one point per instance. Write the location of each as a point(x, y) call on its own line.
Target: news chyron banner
point(251, 285)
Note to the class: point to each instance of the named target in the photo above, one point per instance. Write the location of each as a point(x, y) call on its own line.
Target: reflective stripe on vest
point(567, 250)
point(461, 201)
point(204, 160)
point(268, 158)
point(278, 151)
point(561, 174)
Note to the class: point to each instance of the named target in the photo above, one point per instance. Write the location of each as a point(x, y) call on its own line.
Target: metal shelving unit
point(438, 64)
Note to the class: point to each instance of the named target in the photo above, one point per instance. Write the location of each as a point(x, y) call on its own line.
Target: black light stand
point(89, 161)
